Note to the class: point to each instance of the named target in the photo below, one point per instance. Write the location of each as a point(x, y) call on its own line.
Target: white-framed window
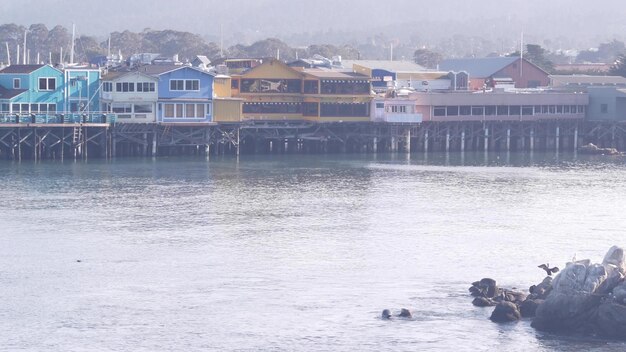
point(145, 87)
point(120, 108)
point(47, 83)
point(17, 83)
point(125, 86)
point(107, 86)
point(185, 84)
point(398, 108)
point(187, 110)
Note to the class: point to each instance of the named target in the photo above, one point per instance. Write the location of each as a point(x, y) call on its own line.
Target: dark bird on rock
point(549, 270)
point(386, 314)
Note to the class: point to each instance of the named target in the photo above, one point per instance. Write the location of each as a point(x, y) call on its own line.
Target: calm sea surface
point(293, 253)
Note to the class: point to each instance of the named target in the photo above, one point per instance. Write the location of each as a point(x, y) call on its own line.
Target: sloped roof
point(202, 59)
point(587, 80)
point(21, 69)
point(388, 65)
point(322, 73)
point(477, 67)
point(156, 70)
point(10, 93)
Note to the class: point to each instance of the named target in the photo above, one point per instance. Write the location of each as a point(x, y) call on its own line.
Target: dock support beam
point(508, 139)
point(486, 139)
point(557, 139)
point(407, 144)
point(576, 138)
point(532, 139)
point(448, 139)
point(463, 140)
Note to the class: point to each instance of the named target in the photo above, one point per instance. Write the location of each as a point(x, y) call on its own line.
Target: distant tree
point(606, 52)
point(619, 67)
point(427, 58)
point(537, 55)
point(269, 47)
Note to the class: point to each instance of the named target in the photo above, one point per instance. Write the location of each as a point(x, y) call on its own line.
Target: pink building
point(500, 106)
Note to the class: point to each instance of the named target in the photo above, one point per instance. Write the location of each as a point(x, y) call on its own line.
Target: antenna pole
point(73, 39)
point(24, 54)
point(521, 55)
point(8, 53)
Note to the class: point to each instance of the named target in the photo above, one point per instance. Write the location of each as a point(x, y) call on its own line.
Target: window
point(452, 110)
point(515, 110)
point(559, 109)
point(490, 110)
point(120, 108)
point(179, 110)
point(581, 109)
point(502, 110)
point(143, 108)
point(168, 110)
point(190, 110)
point(380, 105)
point(604, 108)
point(465, 110)
point(47, 84)
point(17, 83)
point(125, 87)
point(439, 111)
point(478, 110)
point(192, 84)
point(145, 86)
point(107, 86)
point(185, 84)
point(312, 109)
point(311, 87)
point(527, 110)
point(234, 84)
point(398, 108)
point(200, 110)
point(34, 108)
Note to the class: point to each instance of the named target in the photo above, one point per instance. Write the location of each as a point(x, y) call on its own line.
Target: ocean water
point(292, 252)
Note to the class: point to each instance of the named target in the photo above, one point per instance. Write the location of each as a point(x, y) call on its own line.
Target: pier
point(98, 139)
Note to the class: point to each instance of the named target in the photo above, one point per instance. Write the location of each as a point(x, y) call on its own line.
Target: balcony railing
point(58, 118)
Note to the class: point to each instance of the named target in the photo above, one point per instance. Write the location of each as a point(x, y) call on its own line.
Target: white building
point(130, 95)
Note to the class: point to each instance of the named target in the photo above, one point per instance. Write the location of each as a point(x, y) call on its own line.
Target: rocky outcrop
point(595, 150)
point(505, 312)
point(587, 298)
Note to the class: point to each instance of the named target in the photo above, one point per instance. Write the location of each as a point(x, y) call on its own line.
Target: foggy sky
point(581, 20)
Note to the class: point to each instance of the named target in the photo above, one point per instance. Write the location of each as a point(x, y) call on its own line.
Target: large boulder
point(485, 288)
point(528, 308)
point(505, 312)
point(586, 298)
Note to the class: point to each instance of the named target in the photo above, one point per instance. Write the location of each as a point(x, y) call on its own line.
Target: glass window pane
point(169, 110)
point(200, 110)
point(190, 110)
point(179, 110)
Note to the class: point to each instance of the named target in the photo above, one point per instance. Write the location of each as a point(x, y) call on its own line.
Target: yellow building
point(275, 91)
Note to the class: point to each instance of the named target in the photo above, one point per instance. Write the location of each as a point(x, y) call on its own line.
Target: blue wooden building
point(31, 89)
point(81, 90)
point(185, 95)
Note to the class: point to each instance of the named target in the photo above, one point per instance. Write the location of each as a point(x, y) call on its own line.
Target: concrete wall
point(606, 103)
